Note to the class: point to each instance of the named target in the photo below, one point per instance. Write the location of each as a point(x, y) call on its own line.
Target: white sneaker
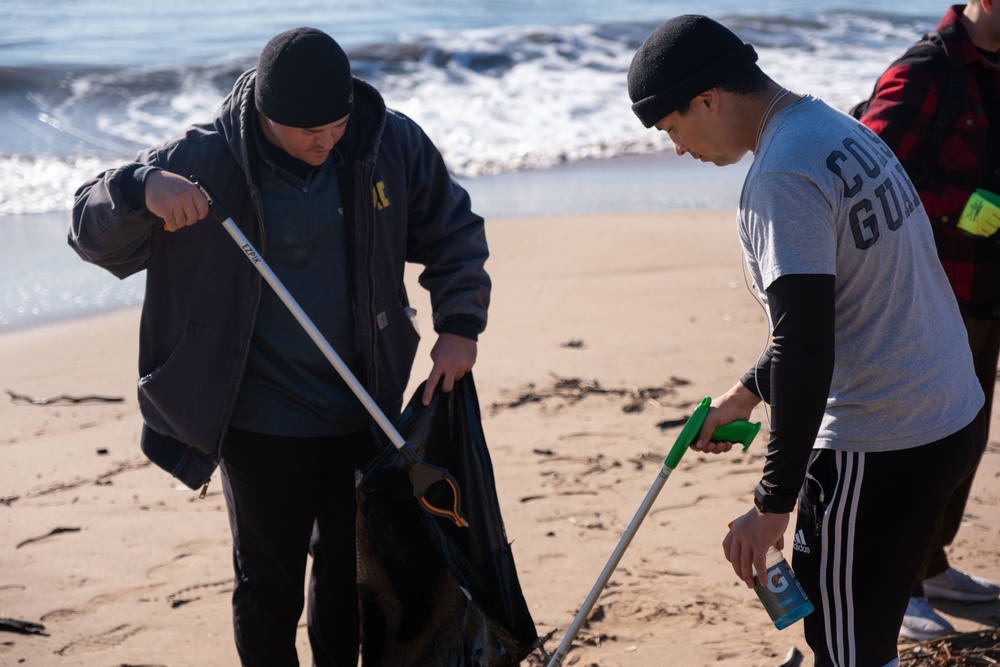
point(921, 622)
point(954, 584)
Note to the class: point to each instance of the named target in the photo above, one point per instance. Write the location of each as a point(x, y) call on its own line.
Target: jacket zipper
point(369, 227)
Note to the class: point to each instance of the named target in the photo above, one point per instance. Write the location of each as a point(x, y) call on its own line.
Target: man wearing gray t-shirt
point(875, 410)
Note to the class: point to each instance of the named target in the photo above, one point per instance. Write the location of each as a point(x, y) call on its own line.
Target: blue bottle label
point(783, 597)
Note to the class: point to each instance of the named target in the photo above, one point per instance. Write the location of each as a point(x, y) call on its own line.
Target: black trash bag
point(433, 594)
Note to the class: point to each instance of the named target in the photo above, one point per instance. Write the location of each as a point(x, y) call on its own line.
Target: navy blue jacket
point(401, 205)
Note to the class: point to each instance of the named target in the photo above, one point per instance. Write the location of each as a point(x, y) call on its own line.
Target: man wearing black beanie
point(875, 417)
point(337, 192)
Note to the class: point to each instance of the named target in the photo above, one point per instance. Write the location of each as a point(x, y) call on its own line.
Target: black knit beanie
point(303, 79)
point(683, 58)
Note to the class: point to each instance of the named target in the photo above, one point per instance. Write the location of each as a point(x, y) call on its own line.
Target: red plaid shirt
point(902, 114)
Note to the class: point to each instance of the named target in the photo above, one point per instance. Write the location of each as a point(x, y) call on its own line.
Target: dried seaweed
point(573, 390)
point(54, 531)
point(967, 649)
point(62, 398)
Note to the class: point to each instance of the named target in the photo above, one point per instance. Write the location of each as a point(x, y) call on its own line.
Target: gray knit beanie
point(303, 79)
point(683, 58)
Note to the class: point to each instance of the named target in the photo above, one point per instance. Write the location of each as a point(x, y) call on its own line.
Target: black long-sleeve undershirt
point(794, 377)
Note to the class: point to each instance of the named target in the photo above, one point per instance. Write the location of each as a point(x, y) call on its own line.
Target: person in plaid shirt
point(937, 107)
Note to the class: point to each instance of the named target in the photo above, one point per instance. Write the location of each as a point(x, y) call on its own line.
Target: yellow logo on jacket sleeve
point(379, 200)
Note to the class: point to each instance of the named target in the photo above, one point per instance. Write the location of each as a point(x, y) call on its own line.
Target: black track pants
point(864, 527)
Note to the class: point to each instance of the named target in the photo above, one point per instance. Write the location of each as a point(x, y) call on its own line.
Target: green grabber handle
point(738, 430)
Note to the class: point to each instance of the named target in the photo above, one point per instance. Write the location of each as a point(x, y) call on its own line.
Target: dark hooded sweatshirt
point(202, 294)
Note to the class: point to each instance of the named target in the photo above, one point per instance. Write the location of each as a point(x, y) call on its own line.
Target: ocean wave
point(492, 99)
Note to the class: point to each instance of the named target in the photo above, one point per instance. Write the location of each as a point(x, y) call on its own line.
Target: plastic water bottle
point(782, 597)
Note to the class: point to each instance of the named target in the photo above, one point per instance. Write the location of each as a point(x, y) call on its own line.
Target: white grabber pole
point(422, 475)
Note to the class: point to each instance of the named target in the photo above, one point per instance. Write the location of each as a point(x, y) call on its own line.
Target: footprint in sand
point(102, 641)
point(94, 603)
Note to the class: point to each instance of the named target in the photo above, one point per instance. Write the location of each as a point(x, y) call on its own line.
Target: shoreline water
point(43, 280)
point(527, 103)
point(502, 87)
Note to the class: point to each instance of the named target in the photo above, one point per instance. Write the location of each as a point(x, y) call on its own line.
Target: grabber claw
point(424, 477)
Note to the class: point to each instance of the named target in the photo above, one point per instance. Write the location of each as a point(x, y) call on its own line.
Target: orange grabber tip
point(453, 513)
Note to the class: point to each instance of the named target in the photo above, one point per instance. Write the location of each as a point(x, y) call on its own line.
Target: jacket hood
point(360, 141)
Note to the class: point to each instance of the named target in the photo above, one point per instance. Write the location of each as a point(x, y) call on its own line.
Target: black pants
point(864, 526)
point(289, 498)
point(984, 340)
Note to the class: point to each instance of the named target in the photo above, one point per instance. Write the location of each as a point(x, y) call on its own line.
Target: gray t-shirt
point(825, 195)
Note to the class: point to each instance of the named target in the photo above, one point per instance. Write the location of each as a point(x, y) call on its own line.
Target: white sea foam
point(493, 100)
point(501, 86)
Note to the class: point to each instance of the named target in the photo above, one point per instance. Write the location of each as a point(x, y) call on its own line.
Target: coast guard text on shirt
point(867, 156)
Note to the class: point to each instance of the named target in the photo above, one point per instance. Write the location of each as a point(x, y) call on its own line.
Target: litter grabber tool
point(739, 430)
point(423, 476)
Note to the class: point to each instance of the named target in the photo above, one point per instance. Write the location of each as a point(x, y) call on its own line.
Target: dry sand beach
point(603, 327)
